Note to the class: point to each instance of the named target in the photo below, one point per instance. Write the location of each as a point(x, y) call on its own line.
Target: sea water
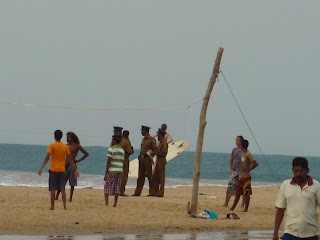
point(19, 165)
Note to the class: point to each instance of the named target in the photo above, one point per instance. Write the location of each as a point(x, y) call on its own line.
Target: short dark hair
point(241, 138)
point(74, 137)
point(245, 143)
point(117, 138)
point(300, 161)
point(58, 134)
point(125, 133)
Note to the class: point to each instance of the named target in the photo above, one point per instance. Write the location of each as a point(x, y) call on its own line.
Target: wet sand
point(25, 211)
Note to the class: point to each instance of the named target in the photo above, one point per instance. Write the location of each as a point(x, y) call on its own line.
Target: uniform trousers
point(145, 170)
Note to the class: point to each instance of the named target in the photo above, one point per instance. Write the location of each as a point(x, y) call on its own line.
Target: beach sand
point(25, 211)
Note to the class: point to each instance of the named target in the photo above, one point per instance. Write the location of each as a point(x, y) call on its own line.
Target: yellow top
point(58, 151)
point(301, 205)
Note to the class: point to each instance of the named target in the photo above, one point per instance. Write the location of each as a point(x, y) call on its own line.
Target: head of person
point(58, 135)
point(300, 169)
point(145, 130)
point(161, 134)
point(164, 127)
point(116, 139)
point(239, 139)
point(245, 144)
point(117, 130)
point(72, 138)
point(125, 134)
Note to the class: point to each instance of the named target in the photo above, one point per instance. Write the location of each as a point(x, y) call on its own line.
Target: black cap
point(117, 137)
point(145, 128)
point(117, 129)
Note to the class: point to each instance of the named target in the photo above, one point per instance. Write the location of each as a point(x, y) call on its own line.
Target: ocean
point(19, 165)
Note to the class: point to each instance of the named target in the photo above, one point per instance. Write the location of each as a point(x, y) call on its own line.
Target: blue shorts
point(288, 236)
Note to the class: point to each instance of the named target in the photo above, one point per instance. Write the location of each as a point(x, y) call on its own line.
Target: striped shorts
point(113, 183)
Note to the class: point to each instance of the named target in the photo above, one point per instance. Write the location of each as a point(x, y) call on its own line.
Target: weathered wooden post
point(202, 125)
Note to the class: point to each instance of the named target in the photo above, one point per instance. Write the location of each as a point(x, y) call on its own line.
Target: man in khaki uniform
point(159, 175)
point(128, 149)
point(145, 162)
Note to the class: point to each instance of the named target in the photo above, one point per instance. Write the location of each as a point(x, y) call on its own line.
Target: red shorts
point(244, 186)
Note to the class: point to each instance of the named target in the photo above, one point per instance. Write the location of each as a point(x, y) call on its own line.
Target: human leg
point(236, 200)
point(141, 177)
point(52, 193)
point(71, 193)
point(64, 199)
point(231, 189)
point(124, 179)
point(162, 177)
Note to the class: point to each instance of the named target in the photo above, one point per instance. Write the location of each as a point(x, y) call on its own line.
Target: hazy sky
point(158, 54)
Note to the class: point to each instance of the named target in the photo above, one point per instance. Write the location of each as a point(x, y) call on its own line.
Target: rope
point(263, 156)
point(101, 109)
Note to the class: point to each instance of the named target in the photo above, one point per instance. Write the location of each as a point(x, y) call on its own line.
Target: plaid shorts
point(113, 183)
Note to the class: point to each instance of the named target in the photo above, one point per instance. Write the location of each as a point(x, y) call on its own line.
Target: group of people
point(63, 164)
point(241, 163)
point(299, 196)
point(117, 168)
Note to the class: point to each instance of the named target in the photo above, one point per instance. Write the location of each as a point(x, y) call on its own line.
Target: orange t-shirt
point(58, 151)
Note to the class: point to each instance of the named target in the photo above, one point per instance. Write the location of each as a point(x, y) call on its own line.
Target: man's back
point(58, 151)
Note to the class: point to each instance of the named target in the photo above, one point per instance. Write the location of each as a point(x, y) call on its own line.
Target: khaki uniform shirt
point(126, 146)
point(148, 143)
point(163, 148)
point(301, 205)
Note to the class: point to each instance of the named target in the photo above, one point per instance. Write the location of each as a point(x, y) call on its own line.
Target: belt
point(144, 156)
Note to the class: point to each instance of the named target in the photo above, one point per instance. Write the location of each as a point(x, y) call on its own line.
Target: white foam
point(29, 179)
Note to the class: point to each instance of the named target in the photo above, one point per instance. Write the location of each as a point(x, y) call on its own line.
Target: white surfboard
point(174, 149)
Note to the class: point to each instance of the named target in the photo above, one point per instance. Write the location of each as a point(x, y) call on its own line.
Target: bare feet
point(114, 205)
point(224, 205)
point(55, 198)
point(65, 208)
point(231, 209)
point(70, 200)
point(52, 208)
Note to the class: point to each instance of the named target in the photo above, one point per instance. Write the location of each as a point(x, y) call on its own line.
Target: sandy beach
point(25, 211)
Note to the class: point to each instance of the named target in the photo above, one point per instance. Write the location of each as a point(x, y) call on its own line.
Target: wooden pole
point(202, 125)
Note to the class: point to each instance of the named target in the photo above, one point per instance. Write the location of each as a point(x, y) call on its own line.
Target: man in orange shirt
point(59, 153)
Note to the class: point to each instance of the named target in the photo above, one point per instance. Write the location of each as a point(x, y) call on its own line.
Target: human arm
point(253, 164)
point(170, 138)
point(277, 222)
point(231, 163)
point(154, 136)
point(85, 154)
point(107, 168)
point(46, 159)
point(128, 149)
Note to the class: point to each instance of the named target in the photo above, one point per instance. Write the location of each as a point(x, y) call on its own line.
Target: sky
point(160, 54)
